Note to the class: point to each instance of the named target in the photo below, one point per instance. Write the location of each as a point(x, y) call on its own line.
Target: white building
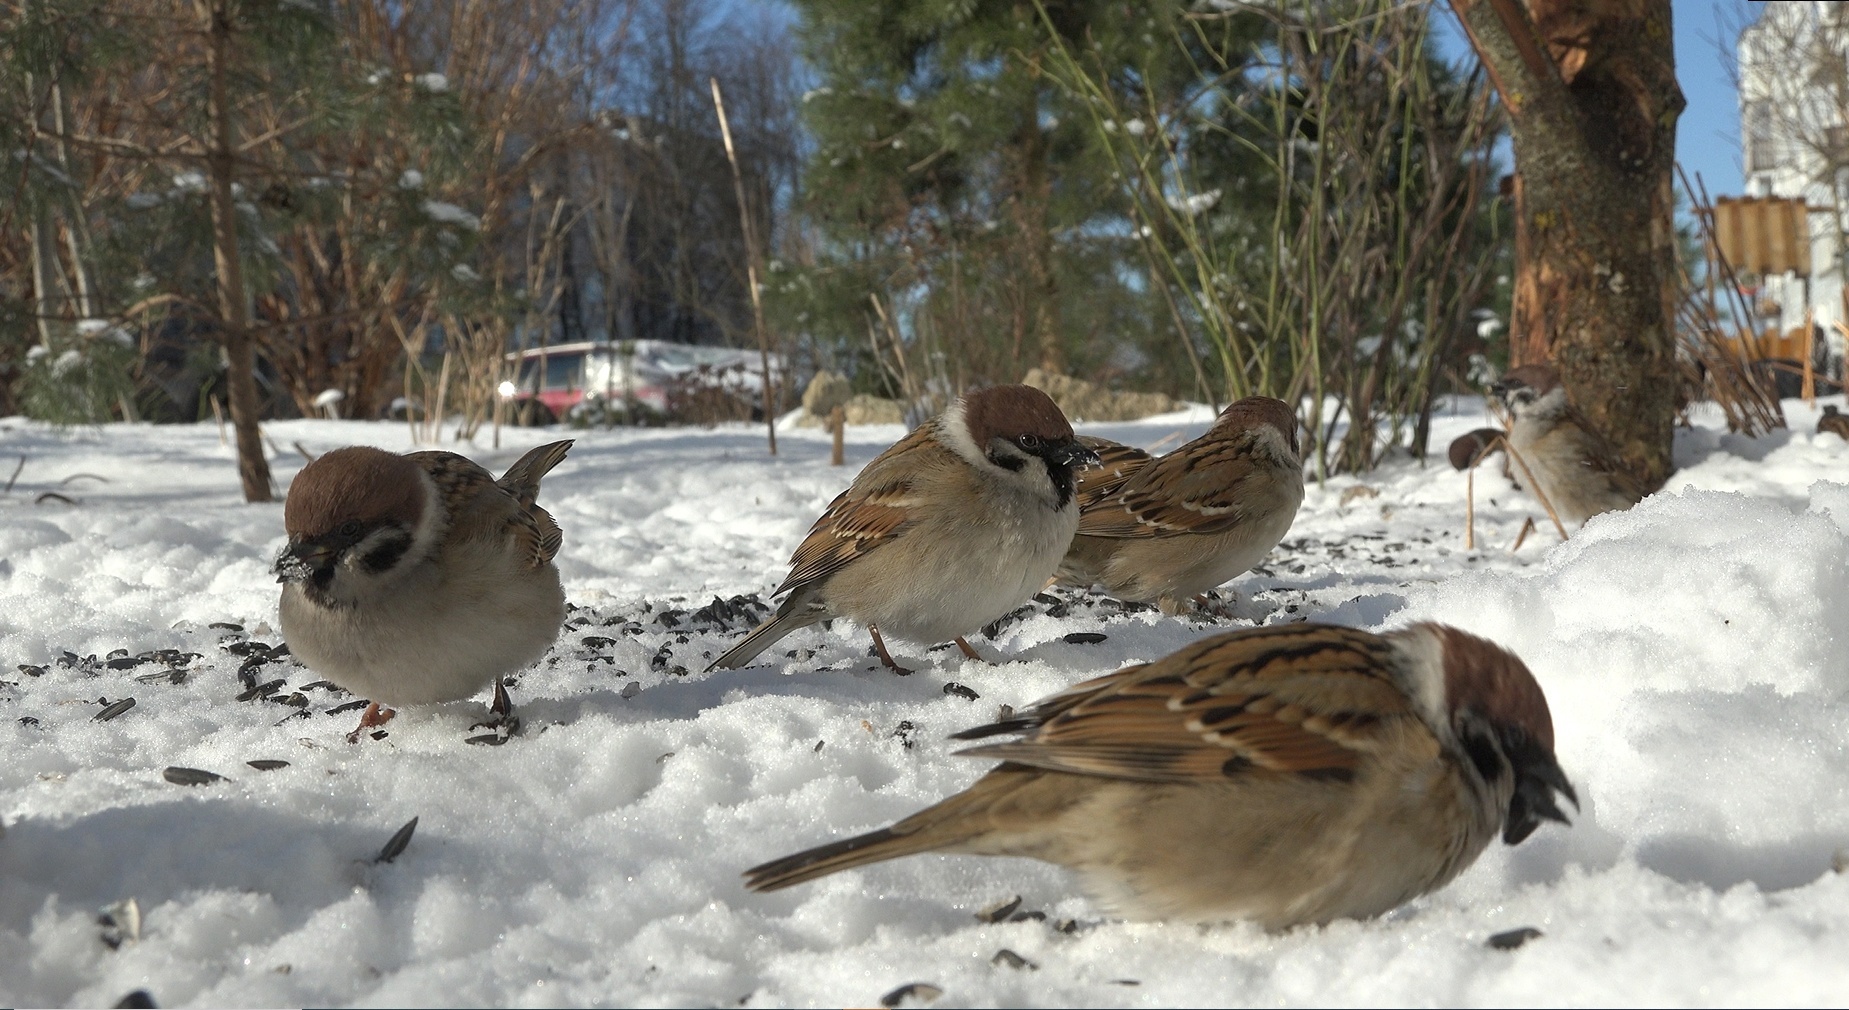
point(1794, 104)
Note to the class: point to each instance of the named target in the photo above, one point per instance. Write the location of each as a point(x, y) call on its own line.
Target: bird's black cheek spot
point(1483, 754)
point(1236, 766)
point(1012, 463)
point(383, 557)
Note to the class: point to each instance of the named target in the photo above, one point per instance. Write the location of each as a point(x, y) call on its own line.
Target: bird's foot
point(879, 646)
point(376, 715)
point(970, 651)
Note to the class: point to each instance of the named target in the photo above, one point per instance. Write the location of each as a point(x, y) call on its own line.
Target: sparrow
point(1166, 530)
point(956, 524)
point(1569, 461)
point(1287, 775)
point(419, 578)
point(1834, 421)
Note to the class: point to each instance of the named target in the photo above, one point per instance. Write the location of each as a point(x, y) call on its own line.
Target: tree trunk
point(1592, 100)
point(1032, 195)
point(240, 358)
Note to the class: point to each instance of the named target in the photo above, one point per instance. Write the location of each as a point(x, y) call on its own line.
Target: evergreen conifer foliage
point(954, 179)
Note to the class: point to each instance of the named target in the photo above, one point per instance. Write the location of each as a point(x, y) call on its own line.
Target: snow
point(1692, 650)
point(449, 213)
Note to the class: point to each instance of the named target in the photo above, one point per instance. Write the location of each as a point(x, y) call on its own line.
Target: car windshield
point(563, 371)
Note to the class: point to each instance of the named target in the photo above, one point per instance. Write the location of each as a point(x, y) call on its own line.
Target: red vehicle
point(561, 378)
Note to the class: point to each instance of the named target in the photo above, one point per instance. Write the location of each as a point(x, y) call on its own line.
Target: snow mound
point(1691, 650)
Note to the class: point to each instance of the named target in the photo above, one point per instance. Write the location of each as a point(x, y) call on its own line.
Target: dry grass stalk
point(1522, 536)
point(1535, 486)
point(1714, 353)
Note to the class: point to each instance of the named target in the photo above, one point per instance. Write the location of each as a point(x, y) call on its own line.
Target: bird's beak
point(300, 561)
point(1073, 453)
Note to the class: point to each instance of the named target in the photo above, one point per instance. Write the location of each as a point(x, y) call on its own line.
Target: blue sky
point(1708, 134)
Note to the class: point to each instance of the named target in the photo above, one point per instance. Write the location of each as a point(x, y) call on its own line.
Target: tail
point(962, 822)
point(522, 479)
point(872, 847)
point(799, 611)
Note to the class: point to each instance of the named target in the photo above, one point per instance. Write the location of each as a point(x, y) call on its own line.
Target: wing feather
point(1205, 486)
point(874, 510)
point(1293, 699)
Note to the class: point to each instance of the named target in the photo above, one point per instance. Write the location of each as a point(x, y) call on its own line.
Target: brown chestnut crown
point(1008, 412)
point(357, 484)
point(1256, 410)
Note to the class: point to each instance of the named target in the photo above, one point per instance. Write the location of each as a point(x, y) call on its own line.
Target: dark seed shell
point(267, 764)
point(397, 843)
point(189, 776)
point(1513, 938)
point(114, 709)
point(924, 992)
point(1085, 638)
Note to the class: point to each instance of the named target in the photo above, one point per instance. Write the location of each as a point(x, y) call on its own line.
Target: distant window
point(1756, 123)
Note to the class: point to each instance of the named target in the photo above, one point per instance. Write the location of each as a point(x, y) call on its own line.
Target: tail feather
point(793, 615)
point(872, 847)
point(522, 479)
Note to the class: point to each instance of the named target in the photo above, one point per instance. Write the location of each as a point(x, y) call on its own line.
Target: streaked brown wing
point(1198, 488)
point(873, 510)
point(479, 507)
point(1117, 463)
point(1602, 458)
point(1310, 700)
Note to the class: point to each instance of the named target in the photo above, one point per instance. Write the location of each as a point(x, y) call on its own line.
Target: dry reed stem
point(1166, 439)
point(1520, 537)
point(1470, 508)
point(1535, 486)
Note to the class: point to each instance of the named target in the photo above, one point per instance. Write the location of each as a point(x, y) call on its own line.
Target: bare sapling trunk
point(1592, 101)
point(751, 267)
point(240, 358)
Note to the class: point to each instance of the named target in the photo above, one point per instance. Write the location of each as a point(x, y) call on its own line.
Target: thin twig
point(9, 481)
point(1527, 528)
point(1470, 508)
point(1535, 486)
point(751, 264)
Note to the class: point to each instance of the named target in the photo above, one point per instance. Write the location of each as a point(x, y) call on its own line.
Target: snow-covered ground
point(1695, 651)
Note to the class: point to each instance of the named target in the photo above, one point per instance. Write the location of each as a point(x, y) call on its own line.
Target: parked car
point(652, 375)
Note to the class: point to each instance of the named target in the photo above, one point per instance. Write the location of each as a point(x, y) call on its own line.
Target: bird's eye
point(1028, 442)
point(349, 528)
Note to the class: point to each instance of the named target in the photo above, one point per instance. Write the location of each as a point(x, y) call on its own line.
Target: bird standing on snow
point(958, 523)
point(1570, 462)
point(1169, 529)
point(1287, 775)
point(1834, 422)
point(419, 578)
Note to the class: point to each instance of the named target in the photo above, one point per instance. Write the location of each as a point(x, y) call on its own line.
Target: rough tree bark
point(240, 358)
point(1591, 95)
